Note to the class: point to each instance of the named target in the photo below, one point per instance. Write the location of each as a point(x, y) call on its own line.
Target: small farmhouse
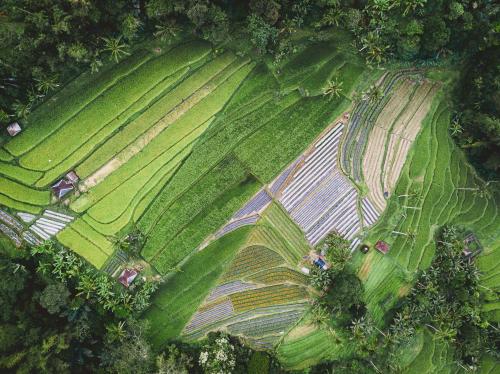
point(127, 277)
point(382, 247)
point(62, 188)
point(13, 129)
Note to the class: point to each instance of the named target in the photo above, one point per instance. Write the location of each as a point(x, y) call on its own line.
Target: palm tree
point(333, 88)
point(21, 110)
point(333, 17)
point(166, 31)
point(320, 317)
point(455, 127)
point(116, 331)
point(413, 5)
point(374, 93)
point(375, 51)
point(481, 190)
point(47, 84)
point(115, 47)
point(86, 286)
point(95, 65)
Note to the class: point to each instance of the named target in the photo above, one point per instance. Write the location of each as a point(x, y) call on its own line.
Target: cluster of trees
point(340, 292)
point(94, 286)
point(446, 300)
point(47, 325)
point(44, 43)
point(476, 124)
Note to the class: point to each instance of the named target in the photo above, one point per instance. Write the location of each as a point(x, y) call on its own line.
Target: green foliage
point(218, 356)
point(96, 287)
point(66, 36)
point(320, 279)
point(274, 139)
point(262, 35)
point(173, 362)
point(259, 363)
point(23, 194)
point(16, 279)
point(446, 299)
point(168, 220)
point(337, 250)
point(206, 222)
point(54, 298)
point(128, 351)
point(478, 110)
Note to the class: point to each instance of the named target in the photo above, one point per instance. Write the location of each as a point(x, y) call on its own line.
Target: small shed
point(61, 188)
point(127, 277)
point(72, 177)
point(320, 263)
point(305, 270)
point(13, 129)
point(382, 247)
point(472, 247)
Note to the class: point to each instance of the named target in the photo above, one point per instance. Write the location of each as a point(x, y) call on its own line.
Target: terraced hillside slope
point(233, 172)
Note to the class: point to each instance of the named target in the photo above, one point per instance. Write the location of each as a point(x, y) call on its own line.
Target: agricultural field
point(233, 172)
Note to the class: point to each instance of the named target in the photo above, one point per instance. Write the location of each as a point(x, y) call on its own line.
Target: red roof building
point(72, 177)
point(382, 247)
point(61, 188)
point(127, 277)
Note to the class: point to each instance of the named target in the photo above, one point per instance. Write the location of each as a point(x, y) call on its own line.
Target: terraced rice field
point(437, 176)
point(233, 173)
point(133, 143)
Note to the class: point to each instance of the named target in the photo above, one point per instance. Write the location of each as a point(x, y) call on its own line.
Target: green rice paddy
point(173, 143)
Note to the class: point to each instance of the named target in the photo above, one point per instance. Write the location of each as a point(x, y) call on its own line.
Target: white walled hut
point(72, 177)
point(13, 129)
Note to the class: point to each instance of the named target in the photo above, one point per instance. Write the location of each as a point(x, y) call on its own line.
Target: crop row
point(25, 176)
point(203, 111)
point(104, 109)
point(188, 98)
point(23, 194)
point(136, 207)
point(82, 246)
point(86, 231)
point(292, 234)
point(268, 296)
point(268, 236)
point(93, 145)
point(47, 118)
point(264, 325)
point(228, 288)
point(162, 223)
point(108, 205)
point(200, 163)
point(207, 316)
point(176, 301)
point(274, 139)
point(279, 275)
point(154, 113)
point(204, 223)
point(252, 259)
